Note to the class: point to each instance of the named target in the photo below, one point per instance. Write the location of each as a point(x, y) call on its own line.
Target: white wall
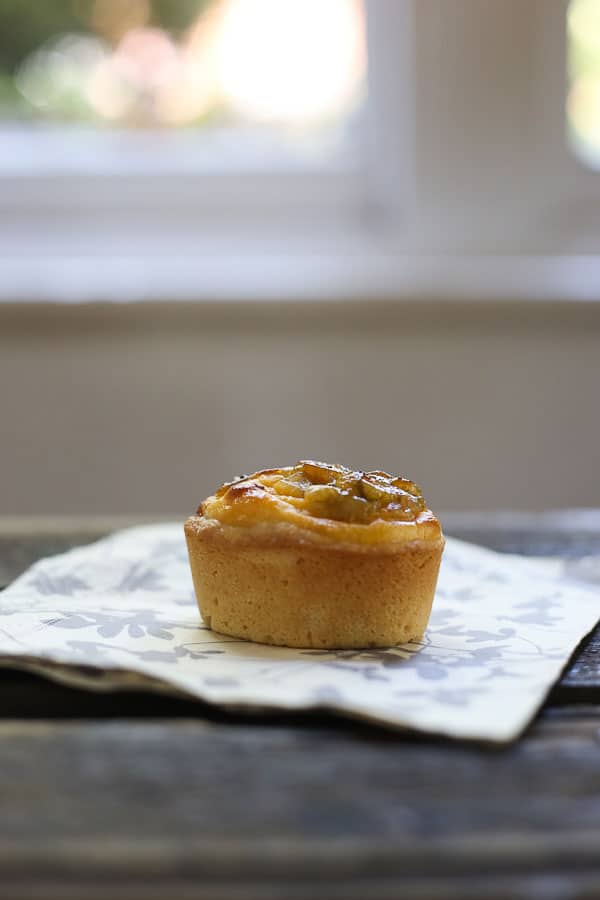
point(145, 408)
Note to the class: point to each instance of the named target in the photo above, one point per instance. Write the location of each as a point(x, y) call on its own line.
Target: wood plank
point(272, 811)
point(566, 533)
point(581, 681)
point(230, 807)
point(574, 885)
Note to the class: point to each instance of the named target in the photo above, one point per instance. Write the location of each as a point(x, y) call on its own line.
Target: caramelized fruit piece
point(332, 502)
point(336, 492)
point(322, 493)
point(377, 490)
point(406, 485)
point(289, 487)
point(319, 473)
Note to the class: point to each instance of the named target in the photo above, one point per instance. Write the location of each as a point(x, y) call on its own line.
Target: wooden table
point(132, 795)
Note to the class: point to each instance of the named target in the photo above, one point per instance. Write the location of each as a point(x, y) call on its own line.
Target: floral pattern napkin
point(122, 613)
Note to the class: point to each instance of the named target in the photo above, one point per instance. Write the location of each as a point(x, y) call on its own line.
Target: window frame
point(464, 187)
point(568, 191)
point(349, 193)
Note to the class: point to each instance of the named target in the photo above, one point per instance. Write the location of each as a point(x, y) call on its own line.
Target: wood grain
point(214, 810)
point(132, 795)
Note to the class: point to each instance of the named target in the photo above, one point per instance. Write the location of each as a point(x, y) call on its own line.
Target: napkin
point(121, 613)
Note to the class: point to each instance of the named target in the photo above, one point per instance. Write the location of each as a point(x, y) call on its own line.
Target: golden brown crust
point(276, 590)
point(286, 534)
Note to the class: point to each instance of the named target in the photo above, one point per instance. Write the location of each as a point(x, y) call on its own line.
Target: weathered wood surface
point(194, 809)
point(141, 796)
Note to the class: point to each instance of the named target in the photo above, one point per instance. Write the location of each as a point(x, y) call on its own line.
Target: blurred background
point(235, 233)
point(296, 70)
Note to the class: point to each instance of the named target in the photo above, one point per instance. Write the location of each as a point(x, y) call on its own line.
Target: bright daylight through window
point(583, 104)
point(238, 74)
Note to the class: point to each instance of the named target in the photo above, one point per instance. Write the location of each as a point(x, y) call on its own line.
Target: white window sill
point(340, 275)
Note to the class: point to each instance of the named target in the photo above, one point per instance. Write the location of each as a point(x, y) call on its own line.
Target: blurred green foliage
point(26, 24)
point(176, 15)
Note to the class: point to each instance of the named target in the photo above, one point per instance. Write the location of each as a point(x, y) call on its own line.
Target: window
point(242, 135)
point(583, 105)
point(231, 76)
point(213, 110)
point(163, 124)
point(201, 130)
